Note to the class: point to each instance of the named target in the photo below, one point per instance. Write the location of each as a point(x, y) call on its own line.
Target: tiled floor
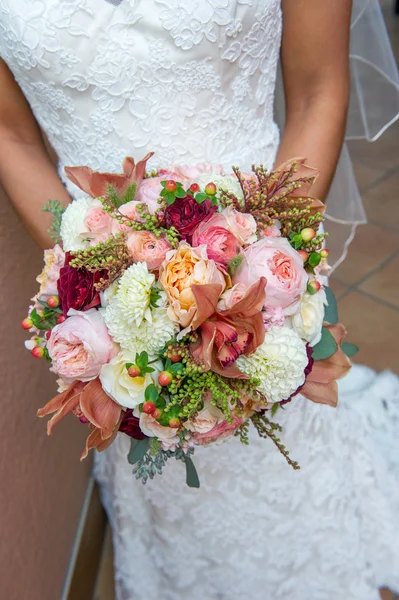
point(367, 283)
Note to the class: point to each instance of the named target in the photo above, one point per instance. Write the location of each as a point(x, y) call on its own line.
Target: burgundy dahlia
point(130, 426)
point(185, 214)
point(76, 287)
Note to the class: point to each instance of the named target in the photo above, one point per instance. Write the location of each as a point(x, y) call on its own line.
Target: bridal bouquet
point(185, 306)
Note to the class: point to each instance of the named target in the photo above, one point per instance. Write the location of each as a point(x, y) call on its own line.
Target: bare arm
point(26, 170)
point(315, 62)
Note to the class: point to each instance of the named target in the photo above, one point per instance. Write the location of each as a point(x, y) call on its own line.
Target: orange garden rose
point(183, 268)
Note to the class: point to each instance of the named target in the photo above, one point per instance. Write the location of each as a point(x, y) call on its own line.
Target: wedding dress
point(193, 80)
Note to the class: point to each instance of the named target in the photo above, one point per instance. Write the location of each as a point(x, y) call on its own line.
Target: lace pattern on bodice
point(192, 80)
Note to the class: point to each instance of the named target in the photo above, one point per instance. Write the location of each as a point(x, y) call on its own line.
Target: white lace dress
point(194, 80)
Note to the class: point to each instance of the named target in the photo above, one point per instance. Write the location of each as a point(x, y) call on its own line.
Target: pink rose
point(273, 317)
point(151, 428)
point(220, 431)
point(273, 230)
point(241, 225)
point(81, 345)
point(145, 246)
point(232, 296)
point(222, 246)
point(130, 211)
point(150, 190)
point(206, 419)
point(275, 259)
point(97, 220)
point(187, 172)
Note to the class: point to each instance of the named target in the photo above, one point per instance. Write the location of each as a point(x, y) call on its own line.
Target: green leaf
point(314, 259)
point(129, 194)
point(175, 369)
point(128, 365)
point(164, 182)
point(142, 360)
point(349, 349)
point(170, 198)
point(200, 197)
point(138, 449)
point(180, 193)
point(151, 393)
point(192, 478)
point(326, 347)
point(164, 192)
point(331, 310)
point(275, 408)
point(56, 209)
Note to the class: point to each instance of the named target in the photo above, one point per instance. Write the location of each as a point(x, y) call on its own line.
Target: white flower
point(308, 320)
point(125, 390)
point(73, 225)
point(279, 363)
point(223, 182)
point(108, 294)
point(149, 336)
point(134, 294)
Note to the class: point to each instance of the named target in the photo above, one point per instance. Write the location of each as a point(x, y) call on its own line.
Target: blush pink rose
point(188, 173)
point(232, 296)
point(222, 246)
point(151, 428)
point(53, 262)
point(206, 420)
point(273, 317)
point(241, 225)
point(150, 190)
point(220, 431)
point(97, 220)
point(145, 246)
point(80, 346)
point(275, 259)
point(130, 211)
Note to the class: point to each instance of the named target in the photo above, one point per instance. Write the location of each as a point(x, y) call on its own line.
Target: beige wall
point(42, 482)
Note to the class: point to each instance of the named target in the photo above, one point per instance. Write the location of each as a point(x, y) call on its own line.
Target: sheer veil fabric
point(194, 81)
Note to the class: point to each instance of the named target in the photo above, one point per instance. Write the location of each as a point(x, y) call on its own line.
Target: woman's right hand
point(27, 172)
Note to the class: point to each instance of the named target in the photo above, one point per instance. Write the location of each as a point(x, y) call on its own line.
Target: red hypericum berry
point(324, 253)
point(61, 319)
point(27, 323)
point(313, 287)
point(304, 255)
point(210, 189)
point(38, 352)
point(175, 358)
point(170, 185)
point(174, 423)
point(308, 234)
point(53, 302)
point(149, 408)
point(48, 334)
point(165, 378)
point(194, 187)
point(157, 413)
point(134, 371)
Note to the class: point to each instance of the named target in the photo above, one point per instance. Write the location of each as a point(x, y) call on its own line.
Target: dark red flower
point(130, 426)
point(76, 287)
point(185, 214)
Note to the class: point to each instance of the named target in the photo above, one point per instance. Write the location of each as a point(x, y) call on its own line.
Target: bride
point(194, 82)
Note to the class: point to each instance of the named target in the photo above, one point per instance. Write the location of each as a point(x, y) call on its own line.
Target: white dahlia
point(222, 182)
point(134, 294)
point(73, 225)
point(150, 336)
point(279, 363)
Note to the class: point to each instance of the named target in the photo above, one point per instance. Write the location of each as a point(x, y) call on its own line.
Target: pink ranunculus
point(275, 259)
point(222, 246)
point(97, 220)
point(220, 431)
point(241, 225)
point(150, 190)
point(81, 345)
point(232, 296)
point(188, 173)
point(145, 246)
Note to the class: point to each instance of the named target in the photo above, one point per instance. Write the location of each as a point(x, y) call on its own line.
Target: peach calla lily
point(226, 335)
point(89, 400)
point(321, 383)
point(95, 184)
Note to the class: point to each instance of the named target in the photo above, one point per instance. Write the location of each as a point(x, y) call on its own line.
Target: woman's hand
point(315, 63)
point(27, 173)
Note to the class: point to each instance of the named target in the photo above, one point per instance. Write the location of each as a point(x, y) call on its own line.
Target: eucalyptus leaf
point(349, 349)
point(192, 478)
point(138, 449)
point(326, 347)
point(331, 310)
